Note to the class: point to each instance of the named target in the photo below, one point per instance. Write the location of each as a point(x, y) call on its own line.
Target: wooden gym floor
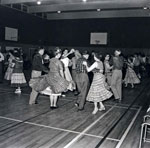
point(38, 126)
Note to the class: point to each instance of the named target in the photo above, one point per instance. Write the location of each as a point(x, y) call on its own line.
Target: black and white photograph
point(74, 73)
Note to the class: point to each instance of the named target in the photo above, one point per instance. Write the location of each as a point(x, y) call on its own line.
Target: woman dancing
point(52, 84)
point(131, 76)
point(66, 63)
point(97, 93)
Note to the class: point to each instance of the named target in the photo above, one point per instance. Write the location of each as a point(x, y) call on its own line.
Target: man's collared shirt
point(117, 62)
point(80, 68)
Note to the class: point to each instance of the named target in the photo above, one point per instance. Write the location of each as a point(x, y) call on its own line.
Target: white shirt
point(65, 61)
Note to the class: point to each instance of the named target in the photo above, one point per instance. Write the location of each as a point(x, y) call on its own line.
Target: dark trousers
point(83, 87)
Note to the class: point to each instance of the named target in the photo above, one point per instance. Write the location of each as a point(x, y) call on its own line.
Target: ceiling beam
point(17, 1)
point(70, 1)
point(87, 6)
point(58, 1)
point(101, 14)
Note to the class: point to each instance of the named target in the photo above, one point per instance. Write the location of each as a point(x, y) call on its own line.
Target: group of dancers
point(70, 70)
point(106, 81)
point(14, 72)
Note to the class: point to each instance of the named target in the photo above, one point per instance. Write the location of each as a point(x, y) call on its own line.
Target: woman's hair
point(56, 51)
point(65, 49)
point(16, 52)
point(130, 58)
point(98, 55)
point(108, 55)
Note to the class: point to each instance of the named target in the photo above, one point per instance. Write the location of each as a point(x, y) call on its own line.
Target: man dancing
point(116, 81)
point(82, 80)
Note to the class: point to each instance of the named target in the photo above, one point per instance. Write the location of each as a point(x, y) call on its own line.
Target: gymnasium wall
point(122, 32)
point(129, 34)
point(31, 29)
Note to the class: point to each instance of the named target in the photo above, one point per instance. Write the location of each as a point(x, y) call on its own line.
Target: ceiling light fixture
point(98, 9)
point(58, 11)
point(39, 2)
point(145, 8)
point(84, 0)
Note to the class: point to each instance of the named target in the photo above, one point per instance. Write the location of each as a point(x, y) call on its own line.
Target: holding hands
point(85, 63)
point(72, 50)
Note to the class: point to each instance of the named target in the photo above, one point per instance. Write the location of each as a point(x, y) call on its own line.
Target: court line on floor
point(61, 129)
point(116, 123)
point(124, 107)
point(87, 128)
point(112, 139)
point(25, 121)
point(12, 119)
point(69, 131)
point(128, 129)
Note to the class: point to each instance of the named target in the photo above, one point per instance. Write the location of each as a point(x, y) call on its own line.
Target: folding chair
point(145, 129)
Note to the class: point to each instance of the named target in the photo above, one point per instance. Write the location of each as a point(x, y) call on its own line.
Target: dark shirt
point(37, 63)
point(18, 65)
point(117, 63)
point(80, 68)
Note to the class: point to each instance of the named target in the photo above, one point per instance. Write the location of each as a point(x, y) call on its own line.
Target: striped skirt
point(98, 91)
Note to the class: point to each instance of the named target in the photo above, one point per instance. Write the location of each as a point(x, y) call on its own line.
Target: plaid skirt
point(98, 91)
point(18, 79)
point(53, 80)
